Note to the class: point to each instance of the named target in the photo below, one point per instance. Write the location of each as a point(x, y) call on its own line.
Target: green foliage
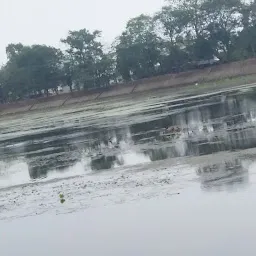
point(89, 66)
point(62, 199)
point(31, 70)
point(172, 40)
point(138, 49)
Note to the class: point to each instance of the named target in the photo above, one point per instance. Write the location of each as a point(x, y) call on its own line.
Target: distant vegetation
point(172, 40)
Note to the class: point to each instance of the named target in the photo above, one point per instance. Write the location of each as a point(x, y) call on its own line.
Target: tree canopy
point(181, 33)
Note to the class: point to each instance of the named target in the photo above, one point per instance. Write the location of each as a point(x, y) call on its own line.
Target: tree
point(182, 33)
point(12, 50)
point(172, 21)
point(2, 85)
point(203, 27)
point(245, 44)
point(184, 25)
point(68, 71)
point(173, 59)
point(105, 69)
point(188, 15)
point(223, 24)
point(31, 69)
point(137, 49)
point(42, 65)
point(201, 49)
point(88, 61)
point(14, 81)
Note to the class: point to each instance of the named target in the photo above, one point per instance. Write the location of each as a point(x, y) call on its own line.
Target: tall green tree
point(31, 70)
point(12, 50)
point(188, 15)
point(223, 25)
point(68, 71)
point(89, 62)
point(137, 49)
point(184, 25)
point(245, 44)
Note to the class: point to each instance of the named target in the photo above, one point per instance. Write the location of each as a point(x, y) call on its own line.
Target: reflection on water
point(192, 127)
point(223, 175)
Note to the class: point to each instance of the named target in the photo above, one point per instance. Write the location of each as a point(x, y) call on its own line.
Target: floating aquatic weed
point(62, 199)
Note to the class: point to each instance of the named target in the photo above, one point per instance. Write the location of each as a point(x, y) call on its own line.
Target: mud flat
point(205, 223)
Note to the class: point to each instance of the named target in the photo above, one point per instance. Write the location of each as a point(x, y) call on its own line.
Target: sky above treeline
point(45, 22)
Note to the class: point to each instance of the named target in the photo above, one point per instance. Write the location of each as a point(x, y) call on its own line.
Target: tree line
point(171, 40)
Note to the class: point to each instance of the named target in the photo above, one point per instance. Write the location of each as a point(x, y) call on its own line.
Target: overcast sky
point(45, 22)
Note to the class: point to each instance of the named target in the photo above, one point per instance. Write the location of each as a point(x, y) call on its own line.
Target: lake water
point(160, 163)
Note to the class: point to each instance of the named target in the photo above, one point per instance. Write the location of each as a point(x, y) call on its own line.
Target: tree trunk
point(253, 50)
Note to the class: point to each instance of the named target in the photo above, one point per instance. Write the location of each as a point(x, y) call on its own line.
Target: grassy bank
point(68, 100)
